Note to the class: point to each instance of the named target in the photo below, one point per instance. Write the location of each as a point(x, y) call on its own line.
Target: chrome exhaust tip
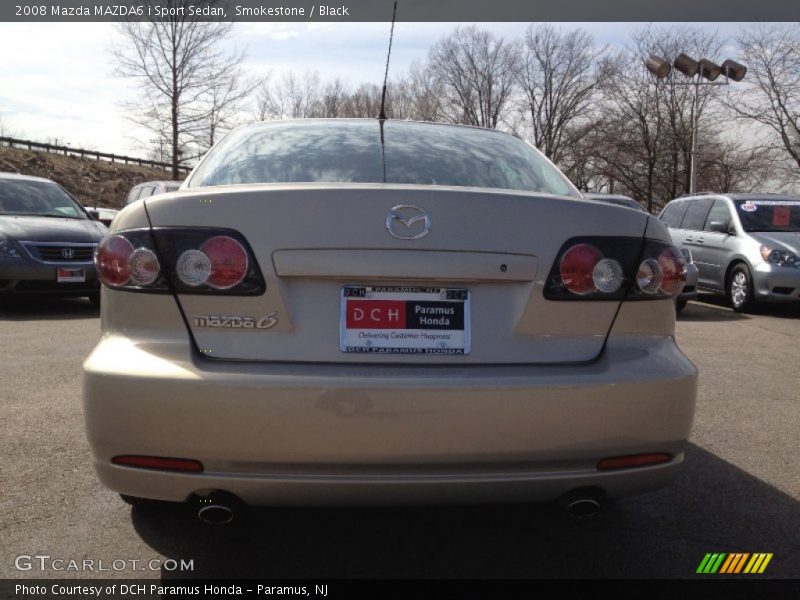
point(583, 508)
point(215, 514)
point(582, 503)
point(218, 508)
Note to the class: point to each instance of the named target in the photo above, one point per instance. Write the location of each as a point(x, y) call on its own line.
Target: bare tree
point(176, 63)
point(5, 128)
point(559, 76)
point(728, 167)
point(223, 105)
point(418, 95)
point(477, 72)
point(292, 97)
point(772, 54)
point(332, 99)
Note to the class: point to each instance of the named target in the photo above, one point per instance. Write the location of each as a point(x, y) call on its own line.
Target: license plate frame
point(70, 275)
point(438, 331)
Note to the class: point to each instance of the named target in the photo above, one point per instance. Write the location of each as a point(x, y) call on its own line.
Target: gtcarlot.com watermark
point(45, 562)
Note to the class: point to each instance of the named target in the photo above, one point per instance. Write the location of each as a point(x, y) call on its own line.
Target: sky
point(60, 85)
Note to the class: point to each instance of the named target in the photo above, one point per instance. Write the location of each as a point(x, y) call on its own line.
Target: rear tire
point(94, 299)
point(680, 305)
point(740, 289)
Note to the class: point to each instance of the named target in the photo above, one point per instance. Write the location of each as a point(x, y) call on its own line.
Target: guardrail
point(69, 151)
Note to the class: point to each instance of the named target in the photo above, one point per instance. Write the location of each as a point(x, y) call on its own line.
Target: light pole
point(696, 70)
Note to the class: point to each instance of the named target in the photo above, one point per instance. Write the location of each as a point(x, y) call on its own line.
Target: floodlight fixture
point(734, 70)
point(686, 65)
point(658, 66)
point(710, 70)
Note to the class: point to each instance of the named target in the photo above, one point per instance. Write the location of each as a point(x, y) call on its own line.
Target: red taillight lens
point(228, 262)
point(673, 271)
point(635, 460)
point(160, 463)
point(577, 268)
point(111, 260)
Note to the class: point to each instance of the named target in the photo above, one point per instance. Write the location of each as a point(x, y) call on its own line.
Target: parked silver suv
point(746, 246)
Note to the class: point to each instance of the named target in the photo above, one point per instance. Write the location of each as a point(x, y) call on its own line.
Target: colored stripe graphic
point(765, 563)
point(703, 563)
point(730, 561)
point(741, 562)
point(733, 563)
point(711, 562)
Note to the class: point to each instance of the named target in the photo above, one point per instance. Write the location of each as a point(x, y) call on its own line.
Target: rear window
point(37, 198)
point(352, 152)
point(769, 215)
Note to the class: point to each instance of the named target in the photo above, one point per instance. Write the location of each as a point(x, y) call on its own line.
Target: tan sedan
point(362, 312)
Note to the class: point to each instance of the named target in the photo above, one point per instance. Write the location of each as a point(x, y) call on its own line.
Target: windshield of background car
point(351, 152)
point(37, 198)
point(769, 215)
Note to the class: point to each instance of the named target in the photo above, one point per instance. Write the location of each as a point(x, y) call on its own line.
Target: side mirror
point(721, 227)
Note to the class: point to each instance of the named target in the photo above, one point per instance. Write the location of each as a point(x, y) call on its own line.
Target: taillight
point(673, 270)
point(612, 268)
point(228, 262)
point(188, 260)
point(576, 268)
point(144, 267)
point(112, 260)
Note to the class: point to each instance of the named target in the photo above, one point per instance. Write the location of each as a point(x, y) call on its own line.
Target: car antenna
point(382, 115)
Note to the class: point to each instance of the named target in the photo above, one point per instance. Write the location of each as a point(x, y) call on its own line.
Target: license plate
point(404, 320)
point(70, 275)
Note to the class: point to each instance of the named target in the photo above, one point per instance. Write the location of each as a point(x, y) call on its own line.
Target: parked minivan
point(746, 246)
point(151, 188)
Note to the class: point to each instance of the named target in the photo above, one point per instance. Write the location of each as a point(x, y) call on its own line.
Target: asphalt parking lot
point(739, 490)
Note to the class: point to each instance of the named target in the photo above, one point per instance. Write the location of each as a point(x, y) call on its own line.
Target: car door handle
point(689, 239)
point(699, 240)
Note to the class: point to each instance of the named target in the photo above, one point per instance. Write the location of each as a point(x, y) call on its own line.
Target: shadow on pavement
point(38, 308)
point(700, 310)
point(784, 310)
point(712, 506)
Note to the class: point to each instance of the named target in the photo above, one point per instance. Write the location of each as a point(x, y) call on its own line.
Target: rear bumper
point(355, 434)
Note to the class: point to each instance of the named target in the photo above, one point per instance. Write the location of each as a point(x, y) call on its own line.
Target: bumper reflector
point(159, 463)
point(636, 460)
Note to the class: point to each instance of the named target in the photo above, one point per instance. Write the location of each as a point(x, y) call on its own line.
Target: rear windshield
point(37, 198)
point(351, 152)
point(769, 215)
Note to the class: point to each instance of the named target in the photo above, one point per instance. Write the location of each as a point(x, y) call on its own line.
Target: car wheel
point(95, 300)
point(680, 305)
point(740, 289)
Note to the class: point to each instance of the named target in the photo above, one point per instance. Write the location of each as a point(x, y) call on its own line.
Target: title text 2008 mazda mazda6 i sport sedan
point(356, 312)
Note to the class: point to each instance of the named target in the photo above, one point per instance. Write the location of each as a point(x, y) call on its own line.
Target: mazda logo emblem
point(67, 252)
point(407, 222)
